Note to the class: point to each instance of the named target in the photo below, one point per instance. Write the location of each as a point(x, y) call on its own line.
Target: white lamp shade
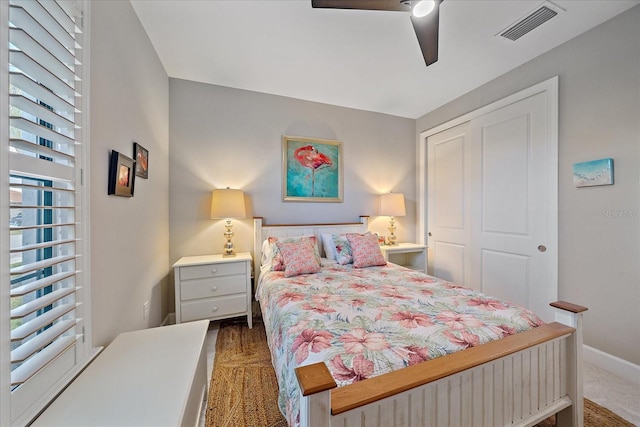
point(227, 203)
point(392, 204)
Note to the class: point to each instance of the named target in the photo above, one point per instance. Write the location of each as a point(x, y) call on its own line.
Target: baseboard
point(169, 320)
point(617, 366)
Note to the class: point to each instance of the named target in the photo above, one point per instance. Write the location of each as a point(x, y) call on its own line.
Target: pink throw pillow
point(277, 264)
point(299, 258)
point(365, 249)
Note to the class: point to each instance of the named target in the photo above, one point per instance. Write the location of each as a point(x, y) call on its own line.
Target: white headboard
point(262, 231)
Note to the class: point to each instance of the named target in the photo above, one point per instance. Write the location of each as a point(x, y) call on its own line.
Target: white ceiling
point(368, 60)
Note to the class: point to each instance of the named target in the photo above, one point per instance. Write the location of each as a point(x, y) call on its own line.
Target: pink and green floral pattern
point(366, 250)
point(343, 249)
point(277, 263)
point(367, 322)
point(299, 258)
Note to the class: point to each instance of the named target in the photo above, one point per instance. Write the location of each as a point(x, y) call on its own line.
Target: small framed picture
point(121, 175)
point(593, 173)
point(141, 155)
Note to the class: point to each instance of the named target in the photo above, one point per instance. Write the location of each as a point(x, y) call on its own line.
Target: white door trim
point(550, 88)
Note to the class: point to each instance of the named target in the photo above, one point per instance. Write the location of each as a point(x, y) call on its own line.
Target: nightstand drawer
point(212, 270)
point(214, 307)
point(214, 287)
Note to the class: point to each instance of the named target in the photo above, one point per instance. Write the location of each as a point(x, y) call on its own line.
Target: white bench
point(153, 377)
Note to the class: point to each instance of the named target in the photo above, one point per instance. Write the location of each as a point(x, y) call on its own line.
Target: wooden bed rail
point(540, 352)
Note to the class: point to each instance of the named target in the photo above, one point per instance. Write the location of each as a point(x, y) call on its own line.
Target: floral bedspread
point(370, 321)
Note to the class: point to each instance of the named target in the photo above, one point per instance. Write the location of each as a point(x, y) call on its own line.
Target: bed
point(341, 360)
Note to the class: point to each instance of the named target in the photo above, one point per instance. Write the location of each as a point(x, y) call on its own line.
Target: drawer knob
point(215, 288)
point(214, 309)
point(214, 271)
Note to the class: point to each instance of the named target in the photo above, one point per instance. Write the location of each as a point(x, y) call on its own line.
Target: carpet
point(244, 390)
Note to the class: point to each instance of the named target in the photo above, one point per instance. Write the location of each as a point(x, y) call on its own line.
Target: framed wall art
point(593, 173)
point(121, 175)
point(311, 170)
point(141, 155)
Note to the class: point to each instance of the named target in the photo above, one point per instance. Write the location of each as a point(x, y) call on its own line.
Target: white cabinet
point(150, 377)
point(213, 287)
point(409, 255)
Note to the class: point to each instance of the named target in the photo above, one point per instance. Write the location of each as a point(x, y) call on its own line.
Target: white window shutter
point(45, 285)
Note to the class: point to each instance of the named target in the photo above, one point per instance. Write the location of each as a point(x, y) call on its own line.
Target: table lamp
point(392, 205)
point(227, 204)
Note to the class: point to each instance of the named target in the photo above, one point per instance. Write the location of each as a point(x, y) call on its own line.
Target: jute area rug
point(244, 390)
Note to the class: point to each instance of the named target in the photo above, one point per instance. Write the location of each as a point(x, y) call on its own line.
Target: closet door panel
point(448, 200)
point(509, 203)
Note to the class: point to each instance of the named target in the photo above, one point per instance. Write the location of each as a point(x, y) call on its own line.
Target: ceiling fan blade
point(426, 29)
point(394, 5)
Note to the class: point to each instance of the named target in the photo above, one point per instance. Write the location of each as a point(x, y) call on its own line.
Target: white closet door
point(448, 205)
point(488, 204)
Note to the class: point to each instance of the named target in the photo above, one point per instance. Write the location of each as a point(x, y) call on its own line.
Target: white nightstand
point(410, 255)
point(213, 287)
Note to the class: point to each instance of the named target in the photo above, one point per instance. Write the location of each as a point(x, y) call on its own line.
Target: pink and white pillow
point(299, 258)
point(365, 250)
point(271, 256)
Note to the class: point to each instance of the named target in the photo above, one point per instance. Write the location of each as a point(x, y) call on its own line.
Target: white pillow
point(329, 246)
point(266, 253)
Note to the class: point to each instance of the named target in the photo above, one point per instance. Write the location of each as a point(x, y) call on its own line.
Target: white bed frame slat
point(483, 396)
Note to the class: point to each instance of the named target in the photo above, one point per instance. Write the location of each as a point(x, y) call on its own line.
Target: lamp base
point(391, 238)
point(228, 247)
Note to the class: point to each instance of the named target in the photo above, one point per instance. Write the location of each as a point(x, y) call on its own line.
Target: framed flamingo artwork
point(311, 170)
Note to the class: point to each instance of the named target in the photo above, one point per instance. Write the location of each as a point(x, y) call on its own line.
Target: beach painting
point(592, 173)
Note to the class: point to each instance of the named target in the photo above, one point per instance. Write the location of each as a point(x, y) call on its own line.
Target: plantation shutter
point(46, 217)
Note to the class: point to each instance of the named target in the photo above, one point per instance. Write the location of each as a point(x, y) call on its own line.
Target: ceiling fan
point(424, 17)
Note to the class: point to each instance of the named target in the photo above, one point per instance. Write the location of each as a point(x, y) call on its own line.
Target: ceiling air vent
point(530, 22)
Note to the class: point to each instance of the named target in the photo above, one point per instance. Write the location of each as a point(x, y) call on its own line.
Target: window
point(44, 334)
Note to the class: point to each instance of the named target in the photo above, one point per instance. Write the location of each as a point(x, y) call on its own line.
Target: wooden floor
point(612, 392)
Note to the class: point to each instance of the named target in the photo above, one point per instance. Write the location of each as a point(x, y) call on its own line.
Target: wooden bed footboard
point(517, 381)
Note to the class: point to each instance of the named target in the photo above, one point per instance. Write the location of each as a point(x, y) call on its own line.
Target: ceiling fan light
point(423, 8)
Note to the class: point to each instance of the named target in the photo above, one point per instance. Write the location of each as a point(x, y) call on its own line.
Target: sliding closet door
point(488, 204)
point(448, 200)
point(509, 222)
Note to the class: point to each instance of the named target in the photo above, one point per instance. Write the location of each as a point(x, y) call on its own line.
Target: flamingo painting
point(309, 157)
point(312, 170)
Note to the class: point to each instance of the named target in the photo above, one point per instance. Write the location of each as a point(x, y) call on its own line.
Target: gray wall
point(599, 116)
point(129, 237)
point(223, 137)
